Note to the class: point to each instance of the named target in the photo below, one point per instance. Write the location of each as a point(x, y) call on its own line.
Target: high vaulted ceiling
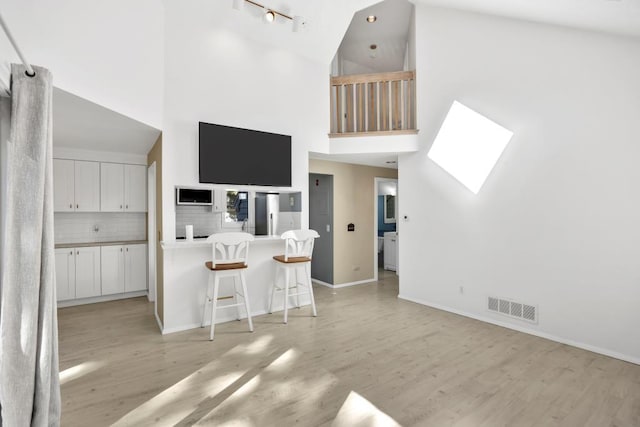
point(610, 16)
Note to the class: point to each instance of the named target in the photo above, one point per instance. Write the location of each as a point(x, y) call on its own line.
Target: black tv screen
point(231, 155)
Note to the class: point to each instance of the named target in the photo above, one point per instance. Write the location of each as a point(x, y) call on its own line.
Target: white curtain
point(29, 383)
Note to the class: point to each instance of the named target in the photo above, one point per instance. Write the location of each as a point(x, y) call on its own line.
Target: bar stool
point(298, 249)
point(230, 252)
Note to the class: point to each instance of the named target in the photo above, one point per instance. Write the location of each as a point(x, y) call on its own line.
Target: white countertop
point(202, 243)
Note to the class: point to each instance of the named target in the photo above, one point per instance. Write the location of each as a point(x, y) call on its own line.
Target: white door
point(87, 186)
point(65, 274)
point(88, 272)
point(135, 268)
point(135, 188)
point(63, 186)
point(111, 187)
point(112, 269)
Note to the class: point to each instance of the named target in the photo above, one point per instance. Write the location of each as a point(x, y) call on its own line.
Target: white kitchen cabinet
point(135, 268)
point(87, 186)
point(63, 186)
point(123, 188)
point(76, 186)
point(135, 188)
point(112, 269)
point(87, 272)
point(111, 187)
point(65, 274)
point(124, 269)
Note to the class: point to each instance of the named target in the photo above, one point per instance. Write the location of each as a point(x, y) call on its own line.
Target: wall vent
point(522, 311)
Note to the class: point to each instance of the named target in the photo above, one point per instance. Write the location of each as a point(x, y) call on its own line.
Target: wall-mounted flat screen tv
point(230, 155)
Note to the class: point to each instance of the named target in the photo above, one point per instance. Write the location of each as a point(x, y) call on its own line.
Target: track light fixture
point(270, 15)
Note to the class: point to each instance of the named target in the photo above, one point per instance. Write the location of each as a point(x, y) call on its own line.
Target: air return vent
point(522, 311)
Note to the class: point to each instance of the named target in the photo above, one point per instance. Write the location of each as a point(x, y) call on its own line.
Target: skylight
point(468, 146)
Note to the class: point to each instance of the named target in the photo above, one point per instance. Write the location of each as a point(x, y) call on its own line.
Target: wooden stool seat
point(298, 248)
point(220, 267)
point(291, 260)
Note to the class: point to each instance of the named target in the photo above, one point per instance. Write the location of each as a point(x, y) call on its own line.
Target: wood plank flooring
point(367, 359)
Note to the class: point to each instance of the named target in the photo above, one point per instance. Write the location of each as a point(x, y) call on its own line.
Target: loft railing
point(373, 103)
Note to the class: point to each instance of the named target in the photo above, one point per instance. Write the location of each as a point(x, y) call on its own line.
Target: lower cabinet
point(100, 271)
point(124, 269)
point(65, 274)
point(77, 273)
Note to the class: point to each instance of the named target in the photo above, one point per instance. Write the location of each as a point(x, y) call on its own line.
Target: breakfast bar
point(185, 282)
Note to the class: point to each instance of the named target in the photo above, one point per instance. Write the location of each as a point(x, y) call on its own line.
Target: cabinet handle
point(71, 253)
point(127, 207)
point(120, 249)
point(78, 253)
point(127, 249)
point(77, 206)
point(71, 206)
point(120, 206)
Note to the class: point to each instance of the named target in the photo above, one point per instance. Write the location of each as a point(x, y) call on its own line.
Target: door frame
point(151, 233)
point(376, 187)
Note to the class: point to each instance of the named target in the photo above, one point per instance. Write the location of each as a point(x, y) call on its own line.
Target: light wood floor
point(368, 359)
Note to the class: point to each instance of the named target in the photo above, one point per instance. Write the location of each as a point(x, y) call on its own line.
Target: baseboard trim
point(166, 331)
point(343, 285)
point(105, 298)
point(583, 346)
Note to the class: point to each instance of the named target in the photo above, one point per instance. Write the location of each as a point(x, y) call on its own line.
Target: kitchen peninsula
point(186, 278)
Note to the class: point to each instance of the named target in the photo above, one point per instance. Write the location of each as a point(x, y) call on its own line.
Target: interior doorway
point(385, 258)
point(321, 220)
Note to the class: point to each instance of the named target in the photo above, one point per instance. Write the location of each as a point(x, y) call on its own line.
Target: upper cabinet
point(123, 188)
point(135, 188)
point(76, 186)
point(111, 187)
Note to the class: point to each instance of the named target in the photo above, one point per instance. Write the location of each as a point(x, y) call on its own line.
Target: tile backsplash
point(89, 227)
point(205, 222)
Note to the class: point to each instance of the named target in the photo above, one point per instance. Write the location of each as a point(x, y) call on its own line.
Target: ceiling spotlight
point(371, 19)
point(270, 16)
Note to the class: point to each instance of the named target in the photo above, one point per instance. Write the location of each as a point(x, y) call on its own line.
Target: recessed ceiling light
point(371, 19)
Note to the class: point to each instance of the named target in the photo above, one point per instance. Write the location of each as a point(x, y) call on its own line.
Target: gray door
point(321, 220)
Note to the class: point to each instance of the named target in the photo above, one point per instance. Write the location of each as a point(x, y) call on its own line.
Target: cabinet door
point(135, 268)
point(65, 274)
point(112, 269)
point(87, 186)
point(63, 186)
point(111, 187)
point(135, 188)
point(88, 272)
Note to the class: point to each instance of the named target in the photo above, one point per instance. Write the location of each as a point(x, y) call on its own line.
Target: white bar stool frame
point(230, 254)
point(298, 250)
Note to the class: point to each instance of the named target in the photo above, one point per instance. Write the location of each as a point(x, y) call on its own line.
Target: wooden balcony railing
point(373, 103)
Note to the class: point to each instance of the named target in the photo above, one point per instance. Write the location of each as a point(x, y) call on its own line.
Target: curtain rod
point(26, 64)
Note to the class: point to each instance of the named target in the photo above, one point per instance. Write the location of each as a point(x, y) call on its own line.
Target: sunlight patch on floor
point(78, 371)
point(359, 412)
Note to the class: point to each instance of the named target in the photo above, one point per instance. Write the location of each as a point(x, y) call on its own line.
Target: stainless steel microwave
point(194, 196)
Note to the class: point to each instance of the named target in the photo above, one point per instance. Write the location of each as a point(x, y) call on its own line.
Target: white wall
point(214, 74)
point(110, 52)
point(556, 224)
